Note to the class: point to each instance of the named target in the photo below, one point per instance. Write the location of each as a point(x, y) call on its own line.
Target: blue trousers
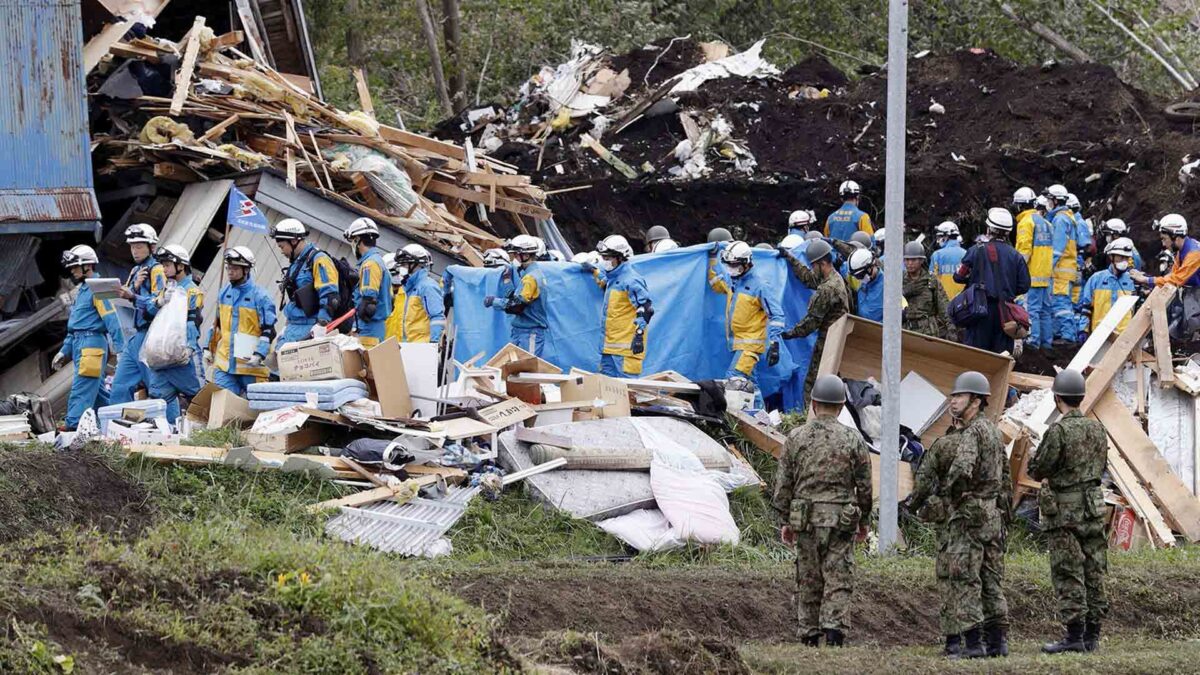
point(169, 383)
point(614, 365)
point(1065, 326)
point(86, 392)
point(234, 383)
point(295, 332)
point(987, 332)
point(131, 372)
point(1041, 317)
point(520, 337)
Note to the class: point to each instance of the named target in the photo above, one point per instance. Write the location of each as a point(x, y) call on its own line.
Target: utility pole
point(893, 269)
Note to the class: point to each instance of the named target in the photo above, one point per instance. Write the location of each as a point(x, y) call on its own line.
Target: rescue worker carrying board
point(309, 284)
point(240, 339)
point(373, 295)
point(753, 318)
point(146, 281)
point(522, 295)
point(420, 307)
point(170, 383)
point(627, 309)
point(849, 218)
point(90, 326)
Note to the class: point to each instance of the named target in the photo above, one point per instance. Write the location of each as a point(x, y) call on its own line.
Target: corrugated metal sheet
point(16, 252)
point(46, 178)
point(411, 528)
point(193, 212)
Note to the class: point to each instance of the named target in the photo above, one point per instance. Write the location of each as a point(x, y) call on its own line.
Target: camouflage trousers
point(814, 365)
point(958, 564)
point(824, 579)
point(991, 577)
point(1078, 564)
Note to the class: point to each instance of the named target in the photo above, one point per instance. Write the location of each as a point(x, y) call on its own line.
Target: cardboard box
point(506, 413)
point(611, 391)
point(215, 407)
point(385, 374)
point(309, 435)
point(321, 359)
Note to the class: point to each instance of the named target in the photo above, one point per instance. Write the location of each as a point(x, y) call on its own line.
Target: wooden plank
point(535, 435)
point(494, 179)
point(132, 51)
point(252, 36)
point(362, 471)
point(1179, 506)
point(183, 78)
point(763, 437)
point(1162, 348)
point(98, 47)
point(215, 133)
point(502, 203)
point(364, 93)
point(1027, 382)
point(660, 385)
point(394, 135)
point(1133, 491)
point(450, 474)
point(230, 39)
point(175, 172)
point(357, 499)
point(1114, 359)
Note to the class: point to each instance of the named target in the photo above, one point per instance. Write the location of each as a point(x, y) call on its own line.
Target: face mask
point(735, 271)
point(1122, 266)
point(608, 265)
point(402, 272)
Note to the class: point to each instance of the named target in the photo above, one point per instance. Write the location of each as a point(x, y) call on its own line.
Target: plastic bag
point(166, 340)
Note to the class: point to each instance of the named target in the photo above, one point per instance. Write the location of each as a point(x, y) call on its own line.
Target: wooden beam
point(98, 47)
point(763, 437)
point(215, 133)
point(1131, 488)
point(502, 203)
point(490, 179)
point(357, 499)
point(132, 51)
point(364, 93)
point(230, 39)
point(1162, 347)
point(176, 172)
point(183, 79)
point(394, 135)
point(1029, 382)
point(1114, 359)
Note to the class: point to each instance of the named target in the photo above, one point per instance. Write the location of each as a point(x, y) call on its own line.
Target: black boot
point(834, 638)
point(811, 640)
point(1091, 636)
point(953, 650)
point(997, 641)
point(1071, 642)
point(973, 644)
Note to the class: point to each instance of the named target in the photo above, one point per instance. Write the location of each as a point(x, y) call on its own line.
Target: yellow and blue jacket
point(374, 288)
point(944, 263)
point(846, 221)
point(627, 308)
point(1064, 251)
point(1101, 292)
point(419, 312)
point(752, 318)
point(312, 267)
point(90, 319)
point(147, 292)
point(519, 286)
point(1035, 243)
point(247, 309)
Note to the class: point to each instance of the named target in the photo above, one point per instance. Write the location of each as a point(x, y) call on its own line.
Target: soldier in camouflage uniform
point(828, 304)
point(1069, 462)
point(822, 493)
point(927, 302)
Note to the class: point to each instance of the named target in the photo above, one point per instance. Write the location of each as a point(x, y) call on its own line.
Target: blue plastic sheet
point(687, 333)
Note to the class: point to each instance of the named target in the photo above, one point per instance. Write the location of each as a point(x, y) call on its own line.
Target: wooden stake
point(183, 79)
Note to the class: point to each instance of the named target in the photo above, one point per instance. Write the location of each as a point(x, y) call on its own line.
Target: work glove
point(789, 334)
point(714, 248)
point(60, 360)
point(773, 353)
point(488, 300)
point(255, 361)
point(639, 341)
point(208, 358)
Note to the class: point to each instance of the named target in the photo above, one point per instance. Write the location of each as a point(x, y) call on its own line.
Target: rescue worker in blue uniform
point(627, 309)
point(801, 221)
point(1004, 275)
point(242, 309)
point(1064, 262)
point(849, 218)
point(753, 316)
point(866, 269)
point(90, 326)
point(146, 280)
point(1035, 243)
point(170, 383)
point(944, 262)
point(373, 295)
point(1105, 286)
point(521, 294)
point(496, 257)
point(1083, 246)
point(419, 313)
point(309, 284)
point(1111, 230)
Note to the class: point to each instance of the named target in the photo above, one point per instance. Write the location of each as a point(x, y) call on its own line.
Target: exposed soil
point(44, 491)
point(666, 652)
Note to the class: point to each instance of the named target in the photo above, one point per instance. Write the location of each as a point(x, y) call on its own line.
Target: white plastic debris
point(749, 63)
point(1189, 171)
point(936, 108)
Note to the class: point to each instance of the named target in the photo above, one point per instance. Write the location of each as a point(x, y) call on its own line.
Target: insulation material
point(163, 129)
point(1172, 416)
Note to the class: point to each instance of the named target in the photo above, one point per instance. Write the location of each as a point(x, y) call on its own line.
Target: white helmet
point(414, 254)
point(791, 241)
point(361, 227)
point(1073, 202)
point(860, 260)
point(1024, 195)
point(999, 219)
point(615, 244)
point(948, 229)
point(1057, 192)
point(240, 256)
point(79, 255)
point(663, 245)
point(1173, 224)
point(140, 233)
point(174, 253)
point(1042, 203)
point(496, 257)
point(587, 258)
point(802, 218)
point(737, 253)
point(849, 188)
point(1115, 226)
point(288, 229)
point(880, 235)
point(554, 255)
point(527, 244)
point(1122, 246)
point(389, 264)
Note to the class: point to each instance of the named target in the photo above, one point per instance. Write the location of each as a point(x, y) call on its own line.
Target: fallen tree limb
point(1047, 34)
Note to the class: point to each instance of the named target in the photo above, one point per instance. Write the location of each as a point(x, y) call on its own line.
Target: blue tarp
point(686, 334)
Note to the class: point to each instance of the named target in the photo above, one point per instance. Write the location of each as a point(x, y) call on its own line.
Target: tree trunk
point(435, 57)
point(452, 31)
point(354, 41)
point(1046, 33)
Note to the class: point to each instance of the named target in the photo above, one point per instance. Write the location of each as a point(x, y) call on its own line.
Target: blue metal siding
point(46, 168)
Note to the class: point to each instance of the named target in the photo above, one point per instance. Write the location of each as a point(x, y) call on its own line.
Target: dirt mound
point(653, 65)
point(45, 490)
point(1004, 126)
point(666, 652)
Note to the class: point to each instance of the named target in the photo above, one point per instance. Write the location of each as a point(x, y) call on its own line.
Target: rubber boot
point(1091, 636)
point(1071, 642)
point(997, 641)
point(953, 649)
point(973, 644)
point(811, 640)
point(834, 638)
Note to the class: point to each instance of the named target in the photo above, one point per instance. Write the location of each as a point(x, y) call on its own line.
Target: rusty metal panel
point(46, 175)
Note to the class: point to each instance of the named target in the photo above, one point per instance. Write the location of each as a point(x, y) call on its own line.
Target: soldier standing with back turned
point(822, 493)
point(1069, 462)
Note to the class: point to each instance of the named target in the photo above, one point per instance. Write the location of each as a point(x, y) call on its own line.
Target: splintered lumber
point(606, 155)
point(1029, 382)
point(357, 499)
point(183, 78)
point(364, 93)
point(502, 203)
point(1131, 488)
point(763, 437)
point(1114, 359)
point(1162, 348)
point(1178, 505)
point(98, 47)
point(214, 133)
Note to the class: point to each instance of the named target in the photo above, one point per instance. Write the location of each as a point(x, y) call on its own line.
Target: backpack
point(969, 307)
point(347, 281)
